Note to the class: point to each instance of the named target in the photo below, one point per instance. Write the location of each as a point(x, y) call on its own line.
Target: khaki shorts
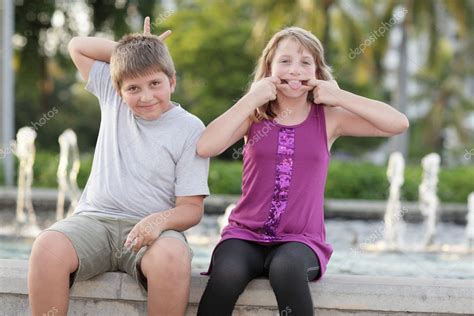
point(98, 241)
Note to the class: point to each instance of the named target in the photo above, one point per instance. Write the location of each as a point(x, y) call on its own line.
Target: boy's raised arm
point(85, 50)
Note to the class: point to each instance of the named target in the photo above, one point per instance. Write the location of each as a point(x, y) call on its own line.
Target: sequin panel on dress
point(284, 171)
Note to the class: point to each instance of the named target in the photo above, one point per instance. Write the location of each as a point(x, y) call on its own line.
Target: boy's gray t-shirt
point(140, 166)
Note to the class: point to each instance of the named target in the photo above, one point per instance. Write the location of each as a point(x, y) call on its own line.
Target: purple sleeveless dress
point(284, 176)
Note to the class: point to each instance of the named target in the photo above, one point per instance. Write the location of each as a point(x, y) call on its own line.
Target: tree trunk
point(400, 142)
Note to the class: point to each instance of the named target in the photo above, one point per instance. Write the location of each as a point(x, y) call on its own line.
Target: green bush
point(455, 184)
point(346, 180)
point(356, 180)
point(46, 167)
point(225, 177)
point(2, 179)
point(412, 181)
point(360, 180)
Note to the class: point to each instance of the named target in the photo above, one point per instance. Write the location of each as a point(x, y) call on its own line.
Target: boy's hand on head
point(145, 232)
point(324, 92)
point(146, 26)
point(147, 30)
point(164, 35)
point(264, 90)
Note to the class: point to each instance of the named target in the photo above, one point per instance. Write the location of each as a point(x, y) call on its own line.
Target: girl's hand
point(145, 232)
point(147, 30)
point(325, 92)
point(264, 91)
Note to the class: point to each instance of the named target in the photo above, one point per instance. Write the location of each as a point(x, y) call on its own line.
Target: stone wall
point(117, 294)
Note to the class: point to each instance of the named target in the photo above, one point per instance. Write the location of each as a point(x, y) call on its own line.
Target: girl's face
point(294, 65)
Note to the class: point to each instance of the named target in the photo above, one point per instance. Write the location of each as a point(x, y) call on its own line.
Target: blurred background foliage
point(215, 45)
point(346, 179)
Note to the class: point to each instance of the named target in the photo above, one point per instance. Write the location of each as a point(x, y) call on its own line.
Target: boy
point(146, 186)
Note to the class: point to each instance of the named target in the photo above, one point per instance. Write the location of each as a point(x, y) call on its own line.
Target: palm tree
point(449, 101)
point(317, 16)
point(344, 26)
point(425, 17)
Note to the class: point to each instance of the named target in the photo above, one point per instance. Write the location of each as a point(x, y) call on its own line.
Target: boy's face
point(148, 96)
point(294, 65)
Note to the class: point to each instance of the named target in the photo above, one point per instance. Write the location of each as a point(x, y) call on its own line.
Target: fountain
point(470, 221)
point(67, 178)
point(428, 198)
point(393, 218)
point(394, 226)
point(24, 149)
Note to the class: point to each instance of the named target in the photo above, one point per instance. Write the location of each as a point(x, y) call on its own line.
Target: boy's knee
point(167, 257)
point(54, 249)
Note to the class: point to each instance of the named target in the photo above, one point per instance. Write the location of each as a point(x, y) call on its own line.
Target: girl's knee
point(235, 276)
point(285, 266)
point(283, 273)
point(294, 261)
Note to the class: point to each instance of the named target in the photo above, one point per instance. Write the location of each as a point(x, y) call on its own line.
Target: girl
point(291, 116)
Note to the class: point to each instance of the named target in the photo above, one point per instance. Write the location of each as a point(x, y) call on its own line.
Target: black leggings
point(289, 266)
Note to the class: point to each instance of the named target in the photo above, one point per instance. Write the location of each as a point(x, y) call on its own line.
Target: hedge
point(346, 180)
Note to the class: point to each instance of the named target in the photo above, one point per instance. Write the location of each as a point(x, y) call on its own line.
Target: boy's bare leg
point(52, 260)
point(167, 267)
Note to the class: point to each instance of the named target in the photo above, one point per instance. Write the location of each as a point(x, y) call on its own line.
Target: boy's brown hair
point(137, 55)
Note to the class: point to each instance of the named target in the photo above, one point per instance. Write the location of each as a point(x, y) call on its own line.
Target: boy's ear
point(173, 83)
point(119, 91)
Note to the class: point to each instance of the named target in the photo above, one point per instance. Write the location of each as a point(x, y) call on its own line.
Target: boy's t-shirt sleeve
point(100, 82)
point(191, 169)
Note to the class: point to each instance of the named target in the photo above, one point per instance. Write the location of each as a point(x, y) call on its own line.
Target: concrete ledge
point(117, 294)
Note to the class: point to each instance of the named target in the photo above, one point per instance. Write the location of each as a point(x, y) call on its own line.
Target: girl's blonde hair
point(307, 41)
point(137, 55)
